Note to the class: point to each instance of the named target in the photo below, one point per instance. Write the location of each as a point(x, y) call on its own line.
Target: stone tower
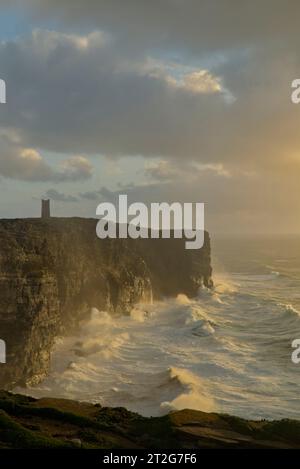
point(46, 208)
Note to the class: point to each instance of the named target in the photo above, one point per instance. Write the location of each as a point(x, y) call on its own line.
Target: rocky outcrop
point(53, 271)
point(60, 423)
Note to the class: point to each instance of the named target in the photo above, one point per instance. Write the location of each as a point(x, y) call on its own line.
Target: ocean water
point(228, 350)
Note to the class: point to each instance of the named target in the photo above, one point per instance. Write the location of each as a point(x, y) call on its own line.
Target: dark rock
point(52, 271)
point(62, 423)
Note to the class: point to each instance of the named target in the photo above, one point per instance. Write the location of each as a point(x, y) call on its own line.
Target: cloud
point(89, 195)
point(76, 168)
point(198, 88)
point(167, 171)
point(193, 26)
point(77, 93)
point(21, 163)
point(102, 194)
point(59, 196)
point(66, 98)
point(27, 164)
point(178, 76)
point(201, 82)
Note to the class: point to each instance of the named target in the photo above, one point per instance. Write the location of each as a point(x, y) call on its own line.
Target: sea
point(227, 350)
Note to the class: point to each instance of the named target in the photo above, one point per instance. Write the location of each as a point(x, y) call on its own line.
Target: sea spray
point(225, 350)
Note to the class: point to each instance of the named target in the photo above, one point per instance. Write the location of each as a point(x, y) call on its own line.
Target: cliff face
point(53, 271)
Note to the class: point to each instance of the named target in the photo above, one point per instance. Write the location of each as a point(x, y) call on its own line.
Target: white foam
point(193, 396)
point(211, 353)
point(291, 309)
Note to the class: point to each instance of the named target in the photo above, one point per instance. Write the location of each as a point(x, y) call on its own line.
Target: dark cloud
point(59, 196)
point(89, 195)
point(202, 85)
point(102, 194)
point(69, 94)
point(195, 26)
point(76, 93)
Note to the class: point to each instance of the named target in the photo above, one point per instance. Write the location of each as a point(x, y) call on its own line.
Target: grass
point(59, 423)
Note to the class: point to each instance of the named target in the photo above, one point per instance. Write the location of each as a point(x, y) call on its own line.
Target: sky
point(169, 100)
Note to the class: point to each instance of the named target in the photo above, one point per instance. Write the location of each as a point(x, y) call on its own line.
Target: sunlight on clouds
point(48, 41)
point(167, 171)
point(188, 78)
point(217, 168)
point(201, 82)
point(77, 166)
point(30, 154)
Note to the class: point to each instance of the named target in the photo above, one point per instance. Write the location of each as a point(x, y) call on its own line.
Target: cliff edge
point(52, 272)
point(60, 423)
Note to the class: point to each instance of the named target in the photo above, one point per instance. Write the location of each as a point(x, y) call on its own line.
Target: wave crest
point(192, 395)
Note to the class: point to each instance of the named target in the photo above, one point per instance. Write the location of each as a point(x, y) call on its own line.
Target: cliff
point(53, 271)
point(58, 423)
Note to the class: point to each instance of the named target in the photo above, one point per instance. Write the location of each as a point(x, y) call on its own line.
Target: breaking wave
point(192, 395)
point(226, 350)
